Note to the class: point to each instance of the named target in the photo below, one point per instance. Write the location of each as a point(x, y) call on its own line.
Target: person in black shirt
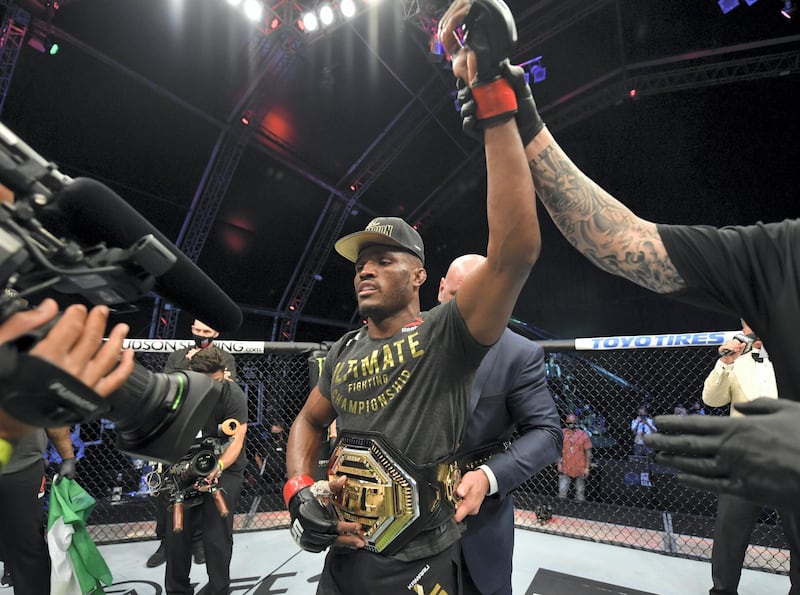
point(217, 530)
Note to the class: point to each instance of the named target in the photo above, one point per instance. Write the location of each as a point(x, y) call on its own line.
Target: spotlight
point(348, 8)
point(727, 5)
point(534, 70)
point(310, 22)
point(253, 10)
point(788, 9)
point(326, 14)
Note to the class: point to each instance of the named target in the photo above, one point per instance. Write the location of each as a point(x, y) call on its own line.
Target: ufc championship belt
point(391, 497)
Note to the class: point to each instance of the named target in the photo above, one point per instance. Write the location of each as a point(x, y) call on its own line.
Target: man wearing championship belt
point(400, 385)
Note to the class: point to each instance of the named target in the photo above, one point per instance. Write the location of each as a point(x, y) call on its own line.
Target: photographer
point(71, 345)
point(217, 530)
point(641, 426)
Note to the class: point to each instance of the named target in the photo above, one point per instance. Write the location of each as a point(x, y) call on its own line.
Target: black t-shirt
point(414, 389)
point(752, 272)
point(232, 404)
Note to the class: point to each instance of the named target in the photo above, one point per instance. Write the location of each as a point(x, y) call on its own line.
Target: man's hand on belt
point(471, 490)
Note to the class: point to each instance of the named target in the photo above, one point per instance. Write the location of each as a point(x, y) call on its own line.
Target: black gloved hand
point(313, 525)
point(756, 456)
point(528, 119)
point(68, 468)
point(490, 32)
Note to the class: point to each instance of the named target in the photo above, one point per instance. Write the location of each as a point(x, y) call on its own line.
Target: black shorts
point(366, 573)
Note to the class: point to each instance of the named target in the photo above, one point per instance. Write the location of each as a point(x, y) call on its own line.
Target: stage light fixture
point(326, 14)
point(727, 5)
point(539, 73)
point(310, 22)
point(253, 10)
point(348, 8)
point(788, 9)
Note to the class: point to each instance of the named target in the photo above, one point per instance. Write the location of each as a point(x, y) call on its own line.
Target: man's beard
point(374, 312)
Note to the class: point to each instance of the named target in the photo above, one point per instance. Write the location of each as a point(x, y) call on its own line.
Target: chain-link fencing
point(275, 378)
point(629, 500)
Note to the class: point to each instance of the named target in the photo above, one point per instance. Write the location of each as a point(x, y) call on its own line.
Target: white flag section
point(77, 568)
point(63, 580)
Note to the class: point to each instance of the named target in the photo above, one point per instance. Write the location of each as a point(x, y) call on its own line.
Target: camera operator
point(217, 530)
point(180, 359)
point(71, 346)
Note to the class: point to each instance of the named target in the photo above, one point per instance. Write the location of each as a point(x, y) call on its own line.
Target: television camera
point(186, 480)
point(78, 238)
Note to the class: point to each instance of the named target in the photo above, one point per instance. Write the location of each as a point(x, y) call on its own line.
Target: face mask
point(571, 426)
point(202, 342)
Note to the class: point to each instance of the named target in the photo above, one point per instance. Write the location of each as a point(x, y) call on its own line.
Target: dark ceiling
point(360, 121)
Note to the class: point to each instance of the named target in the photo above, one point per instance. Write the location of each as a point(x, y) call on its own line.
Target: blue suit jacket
point(510, 391)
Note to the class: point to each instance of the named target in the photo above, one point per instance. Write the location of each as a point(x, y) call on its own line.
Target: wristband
point(221, 465)
point(6, 450)
point(294, 485)
point(494, 99)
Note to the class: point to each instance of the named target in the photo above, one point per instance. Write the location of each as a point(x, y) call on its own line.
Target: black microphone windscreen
point(94, 213)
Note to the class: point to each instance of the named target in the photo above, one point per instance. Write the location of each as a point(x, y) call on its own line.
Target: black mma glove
point(313, 525)
point(68, 469)
point(756, 456)
point(490, 32)
point(529, 121)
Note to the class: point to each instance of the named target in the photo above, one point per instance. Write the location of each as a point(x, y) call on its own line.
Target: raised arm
point(487, 296)
point(599, 226)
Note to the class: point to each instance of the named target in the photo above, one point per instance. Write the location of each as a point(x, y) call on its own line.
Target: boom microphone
point(94, 213)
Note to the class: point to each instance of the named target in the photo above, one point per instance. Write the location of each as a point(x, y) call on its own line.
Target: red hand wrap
point(494, 99)
point(294, 485)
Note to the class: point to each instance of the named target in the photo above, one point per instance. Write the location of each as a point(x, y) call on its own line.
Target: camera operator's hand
point(17, 325)
point(72, 345)
point(27, 320)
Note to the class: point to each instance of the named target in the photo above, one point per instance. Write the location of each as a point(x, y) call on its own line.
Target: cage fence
point(629, 500)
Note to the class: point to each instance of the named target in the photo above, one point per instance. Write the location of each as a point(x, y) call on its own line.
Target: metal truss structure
point(275, 49)
point(12, 36)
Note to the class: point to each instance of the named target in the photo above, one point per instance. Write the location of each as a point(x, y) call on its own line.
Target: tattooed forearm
point(599, 226)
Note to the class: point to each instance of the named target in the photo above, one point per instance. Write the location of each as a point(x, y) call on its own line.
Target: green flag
point(77, 566)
